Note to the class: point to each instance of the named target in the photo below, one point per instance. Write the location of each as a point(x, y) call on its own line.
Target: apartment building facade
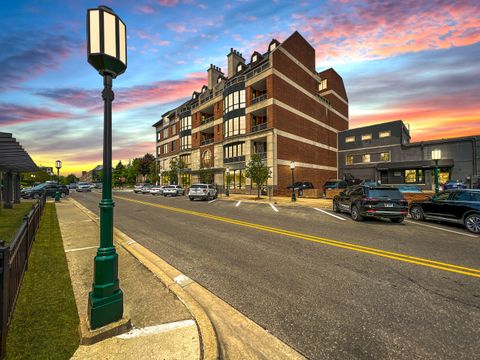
point(383, 152)
point(275, 105)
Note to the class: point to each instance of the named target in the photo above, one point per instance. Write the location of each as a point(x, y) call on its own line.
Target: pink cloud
point(167, 2)
point(147, 9)
point(180, 27)
point(11, 114)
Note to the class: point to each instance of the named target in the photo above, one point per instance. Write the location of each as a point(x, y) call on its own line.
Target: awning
point(13, 157)
point(418, 164)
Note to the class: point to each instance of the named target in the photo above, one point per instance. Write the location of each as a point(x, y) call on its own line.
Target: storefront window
point(385, 156)
point(186, 180)
point(237, 179)
point(349, 159)
point(414, 176)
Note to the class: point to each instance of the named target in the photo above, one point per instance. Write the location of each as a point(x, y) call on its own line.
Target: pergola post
point(16, 189)
point(7, 186)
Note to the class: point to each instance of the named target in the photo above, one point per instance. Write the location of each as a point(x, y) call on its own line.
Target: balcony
point(262, 155)
point(206, 120)
point(234, 159)
point(259, 127)
point(258, 70)
point(206, 142)
point(258, 99)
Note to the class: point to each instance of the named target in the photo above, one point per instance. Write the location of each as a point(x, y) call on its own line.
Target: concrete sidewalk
point(280, 200)
point(163, 326)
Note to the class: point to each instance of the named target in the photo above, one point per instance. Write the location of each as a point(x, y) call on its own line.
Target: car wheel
point(63, 194)
point(336, 208)
point(472, 223)
point(36, 196)
point(191, 198)
point(397, 220)
point(356, 214)
point(416, 213)
point(165, 195)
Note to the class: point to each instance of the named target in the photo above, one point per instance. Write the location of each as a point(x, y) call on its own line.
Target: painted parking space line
point(274, 208)
point(326, 212)
point(212, 201)
point(238, 203)
point(440, 228)
point(458, 269)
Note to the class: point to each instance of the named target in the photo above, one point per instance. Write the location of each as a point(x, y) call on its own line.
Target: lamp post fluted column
point(105, 303)
point(292, 167)
point(436, 176)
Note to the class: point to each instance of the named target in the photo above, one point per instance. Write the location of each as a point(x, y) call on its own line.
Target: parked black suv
point(301, 185)
point(457, 206)
point(378, 202)
point(48, 188)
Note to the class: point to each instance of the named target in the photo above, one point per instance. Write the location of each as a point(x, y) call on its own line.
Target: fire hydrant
point(57, 196)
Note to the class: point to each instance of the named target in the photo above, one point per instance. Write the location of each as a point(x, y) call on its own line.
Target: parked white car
point(202, 191)
point(138, 188)
point(157, 190)
point(173, 190)
point(83, 187)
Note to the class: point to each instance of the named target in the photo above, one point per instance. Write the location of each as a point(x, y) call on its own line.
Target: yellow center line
point(345, 245)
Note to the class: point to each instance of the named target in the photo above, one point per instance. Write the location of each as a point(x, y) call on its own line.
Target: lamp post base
point(105, 310)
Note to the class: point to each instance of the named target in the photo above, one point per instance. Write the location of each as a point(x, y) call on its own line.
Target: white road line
point(80, 249)
point(156, 329)
point(183, 280)
point(211, 201)
point(439, 228)
point(274, 208)
point(238, 203)
point(326, 212)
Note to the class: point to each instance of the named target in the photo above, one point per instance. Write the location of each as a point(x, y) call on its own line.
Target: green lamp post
point(227, 190)
point(436, 155)
point(292, 167)
point(58, 165)
point(107, 53)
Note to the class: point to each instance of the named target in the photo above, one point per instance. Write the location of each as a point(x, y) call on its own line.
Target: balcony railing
point(234, 159)
point(206, 120)
point(207, 141)
point(207, 98)
point(262, 155)
point(258, 70)
point(259, 127)
point(235, 80)
point(258, 99)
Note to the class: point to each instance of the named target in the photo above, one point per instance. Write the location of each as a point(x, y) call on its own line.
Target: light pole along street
point(436, 155)
point(58, 165)
point(107, 53)
point(292, 167)
point(227, 190)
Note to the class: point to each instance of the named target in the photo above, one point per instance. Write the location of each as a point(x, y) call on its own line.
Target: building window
point(233, 151)
point(234, 126)
point(366, 158)
point(349, 159)
point(185, 142)
point(165, 148)
point(236, 179)
point(322, 85)
point(350, 139)
point(385, 156)
point(207, 158)
point(158, 150)
point(366, 137)
point(174, 129)
point(165, 133)
point(159, 135)
point(254, 58)
point(234, 101)
point(186, 159)
point(174, 145)
point(414, 176)
point(384, 134)
point(186, 123)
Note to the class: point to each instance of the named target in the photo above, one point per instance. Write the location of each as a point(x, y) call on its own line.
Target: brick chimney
point(234, 58)
point(214, 73)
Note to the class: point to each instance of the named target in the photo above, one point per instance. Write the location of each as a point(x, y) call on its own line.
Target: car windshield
point(331, 184)
point(385, 193)
point(39, 187)
point(198, 186)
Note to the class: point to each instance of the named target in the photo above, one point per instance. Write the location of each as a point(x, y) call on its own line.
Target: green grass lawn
point(11, 219)
point(45, 321)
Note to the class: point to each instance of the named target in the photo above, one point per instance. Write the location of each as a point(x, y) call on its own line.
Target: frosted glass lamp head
point(58, 164)
point(227, 170)
point(436, 154)
point(292, 164)
point(106, 41)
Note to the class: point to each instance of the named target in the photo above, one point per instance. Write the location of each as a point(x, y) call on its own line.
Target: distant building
point(384, 152)
point(95, 175)
point(275, 105)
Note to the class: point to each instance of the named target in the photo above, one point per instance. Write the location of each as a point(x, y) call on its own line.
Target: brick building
point(275, 105)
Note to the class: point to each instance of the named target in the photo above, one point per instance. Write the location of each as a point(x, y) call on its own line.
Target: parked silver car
point(202, 191)
point(157, 190)
point(138, 188)
point(83, 187)
point(173, 190)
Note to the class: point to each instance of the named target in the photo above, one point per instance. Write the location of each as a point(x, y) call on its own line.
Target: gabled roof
point(13, 157)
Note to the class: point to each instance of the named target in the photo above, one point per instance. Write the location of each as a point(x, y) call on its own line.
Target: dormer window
point(239, 67)
point(194, 96)
point(272, 46)
point(254, 58)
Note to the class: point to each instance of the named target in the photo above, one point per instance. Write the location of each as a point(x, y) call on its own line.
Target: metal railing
point(206, 120)
point(259, 127)
point(234, 159)
point(207, 141)
point(258, 99)
point(13, 264)
point(258, 70)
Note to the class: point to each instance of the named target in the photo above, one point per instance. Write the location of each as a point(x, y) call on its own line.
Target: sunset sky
point(418, 61)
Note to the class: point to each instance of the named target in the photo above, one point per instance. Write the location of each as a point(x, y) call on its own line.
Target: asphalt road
point(326, 299)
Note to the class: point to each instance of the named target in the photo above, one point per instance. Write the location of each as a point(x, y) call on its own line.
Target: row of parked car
point(196, 191)
point(460, 206)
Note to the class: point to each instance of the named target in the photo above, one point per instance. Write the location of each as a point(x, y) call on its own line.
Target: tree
point(175, 166)
point(118, 174)
point(258, 172)
point(130, 173)
point(205, 176)
point(144, 164)
point(71, 179)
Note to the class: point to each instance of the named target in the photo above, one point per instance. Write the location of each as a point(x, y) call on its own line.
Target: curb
point(209, 346)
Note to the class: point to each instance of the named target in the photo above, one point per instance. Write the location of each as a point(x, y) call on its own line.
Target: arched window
point(207, 158)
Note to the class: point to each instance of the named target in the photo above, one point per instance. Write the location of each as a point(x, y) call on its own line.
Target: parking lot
point(324, 284)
